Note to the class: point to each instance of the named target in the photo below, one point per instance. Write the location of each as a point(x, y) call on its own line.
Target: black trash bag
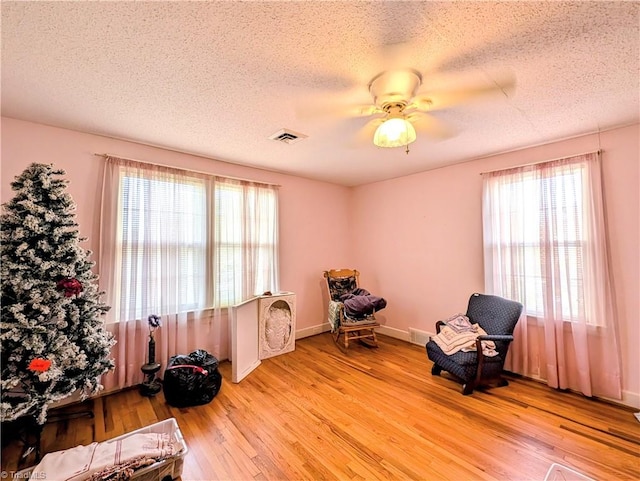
point(191, 380)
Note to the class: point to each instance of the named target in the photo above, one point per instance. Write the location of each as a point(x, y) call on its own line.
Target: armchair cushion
point(463, 364)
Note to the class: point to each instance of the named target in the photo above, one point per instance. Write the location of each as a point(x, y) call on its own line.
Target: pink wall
point(419, 238)
point(311, 213)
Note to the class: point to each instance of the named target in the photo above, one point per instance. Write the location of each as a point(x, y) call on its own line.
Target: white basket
point(170, 468)
point(558, 472)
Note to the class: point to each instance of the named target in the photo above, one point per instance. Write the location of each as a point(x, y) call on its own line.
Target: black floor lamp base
point(151, 386)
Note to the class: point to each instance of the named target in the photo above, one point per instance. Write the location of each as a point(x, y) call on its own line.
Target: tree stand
point(29, 434)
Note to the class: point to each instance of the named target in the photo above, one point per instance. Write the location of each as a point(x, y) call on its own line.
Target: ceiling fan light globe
point(395, 132)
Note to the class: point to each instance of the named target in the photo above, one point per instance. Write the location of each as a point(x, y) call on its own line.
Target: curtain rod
point(542, 161)
point(187, 170)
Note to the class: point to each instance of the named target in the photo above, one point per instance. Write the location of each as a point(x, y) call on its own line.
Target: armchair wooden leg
point(436, 370)
point(467, 388)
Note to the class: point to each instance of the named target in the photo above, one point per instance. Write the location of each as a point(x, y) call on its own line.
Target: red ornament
point(70, 286)
point(39, 364)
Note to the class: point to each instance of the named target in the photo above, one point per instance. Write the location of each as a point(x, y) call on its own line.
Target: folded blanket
point(114, 459)
point(459, 323)
point(451, 341)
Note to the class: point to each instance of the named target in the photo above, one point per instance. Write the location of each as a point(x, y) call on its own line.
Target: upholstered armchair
point(483, 363)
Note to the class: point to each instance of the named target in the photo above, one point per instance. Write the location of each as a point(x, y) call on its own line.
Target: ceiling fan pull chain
point(407, 135)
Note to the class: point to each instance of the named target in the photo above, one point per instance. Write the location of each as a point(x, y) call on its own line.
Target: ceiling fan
point(400, 109)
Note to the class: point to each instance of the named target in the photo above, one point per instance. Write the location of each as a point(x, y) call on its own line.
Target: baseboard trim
point(393, 332)
point(313, 330)
point(387, 331)
point(628, 399)
point(419, 338)
point(412, 336)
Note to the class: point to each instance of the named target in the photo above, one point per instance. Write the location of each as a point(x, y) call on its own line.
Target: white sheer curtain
point(545, 246)
point(184, 246)
point(246, 236)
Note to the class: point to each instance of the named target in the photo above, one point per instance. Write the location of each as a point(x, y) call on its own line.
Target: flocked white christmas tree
point(53, 338)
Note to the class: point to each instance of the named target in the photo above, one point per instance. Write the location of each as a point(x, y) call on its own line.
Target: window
point(162, 219)
point(257, 225)
point(186, 241)
point(544, 228)
point(536, 237)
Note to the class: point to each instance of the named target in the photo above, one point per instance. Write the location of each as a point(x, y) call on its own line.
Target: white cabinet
point(262, 327)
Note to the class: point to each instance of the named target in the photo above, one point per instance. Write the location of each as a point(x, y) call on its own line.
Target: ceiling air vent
point(287, 136)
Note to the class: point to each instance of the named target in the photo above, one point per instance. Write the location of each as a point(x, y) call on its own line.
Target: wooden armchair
point(341, 282)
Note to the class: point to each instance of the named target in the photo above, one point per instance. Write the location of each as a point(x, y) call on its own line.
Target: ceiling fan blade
point(364, 136)
point(363, 110)
point(328, 109)
point(502, 86)
point(431, 126)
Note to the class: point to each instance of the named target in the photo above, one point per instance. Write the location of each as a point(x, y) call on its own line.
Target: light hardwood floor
point(321, 413)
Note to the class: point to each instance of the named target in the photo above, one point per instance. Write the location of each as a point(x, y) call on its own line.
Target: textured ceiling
point(218, 78)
